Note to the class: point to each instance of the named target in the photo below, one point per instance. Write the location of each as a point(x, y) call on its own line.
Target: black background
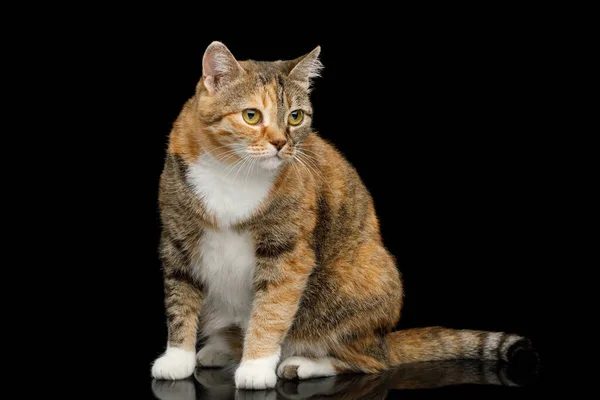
point(441, 120)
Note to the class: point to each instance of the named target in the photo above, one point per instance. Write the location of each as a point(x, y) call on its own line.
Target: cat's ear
point(305, 68)
point(219, 67)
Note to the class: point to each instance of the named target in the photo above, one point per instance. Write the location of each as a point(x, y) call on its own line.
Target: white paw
point(257, 374)
point(174, 364)
point(305, 368)
point(212, 356)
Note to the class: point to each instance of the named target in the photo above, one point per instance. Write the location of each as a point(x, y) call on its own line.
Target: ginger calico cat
point(270, 243)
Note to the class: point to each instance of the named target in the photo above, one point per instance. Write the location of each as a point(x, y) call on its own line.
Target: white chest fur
point(227, 258)
point(226, 268)
point(231, 193)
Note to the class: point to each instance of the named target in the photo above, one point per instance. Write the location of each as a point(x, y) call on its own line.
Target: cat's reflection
point(216, 384)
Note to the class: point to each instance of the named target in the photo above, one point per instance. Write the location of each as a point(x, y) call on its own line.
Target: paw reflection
point(347, 387)
point(270, 394)
point(307, 388)
point(174, 390)
point(213, 377)
point(218, 384)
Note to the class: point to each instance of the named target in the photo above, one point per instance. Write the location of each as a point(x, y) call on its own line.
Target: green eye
point(251, 116)
point(296, 117)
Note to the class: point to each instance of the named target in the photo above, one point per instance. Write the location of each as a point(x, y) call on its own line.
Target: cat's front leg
point(183, 301)
point(280, 279)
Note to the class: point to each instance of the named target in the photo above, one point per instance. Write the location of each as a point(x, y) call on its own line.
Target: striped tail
point(439, 343)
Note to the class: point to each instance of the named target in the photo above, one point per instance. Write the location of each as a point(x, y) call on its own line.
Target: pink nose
point(278, 143)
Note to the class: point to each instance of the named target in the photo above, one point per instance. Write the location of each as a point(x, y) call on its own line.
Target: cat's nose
point(279, 143)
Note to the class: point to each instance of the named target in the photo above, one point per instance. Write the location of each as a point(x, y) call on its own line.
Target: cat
point(270, 244)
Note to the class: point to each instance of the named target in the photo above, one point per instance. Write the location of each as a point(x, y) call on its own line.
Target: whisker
point(224, 155)
point(306, 168)
point(242, 166)
point(252, 163)
point(313, 162)
point(233, 167)
point(312, 157)
point(307, 158)
point(219, 156)
point(229, 147)
point(298, 174)
point(305, 146)
point(241, 158)
point(306, 149)
point(315, 169)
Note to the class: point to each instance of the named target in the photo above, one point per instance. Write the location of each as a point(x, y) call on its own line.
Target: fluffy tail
point(438, 343)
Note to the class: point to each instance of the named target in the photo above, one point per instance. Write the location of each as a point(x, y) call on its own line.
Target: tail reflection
point(209, 384)
point(430, 375)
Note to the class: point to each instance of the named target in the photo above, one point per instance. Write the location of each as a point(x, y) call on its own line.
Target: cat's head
point(254, 110)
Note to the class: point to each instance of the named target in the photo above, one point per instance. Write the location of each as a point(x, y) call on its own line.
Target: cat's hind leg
point(305, 368)
point(223, 347)
point(214, 353)
point(364, 355)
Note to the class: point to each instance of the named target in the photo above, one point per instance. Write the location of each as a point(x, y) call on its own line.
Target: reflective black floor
point(440, 380)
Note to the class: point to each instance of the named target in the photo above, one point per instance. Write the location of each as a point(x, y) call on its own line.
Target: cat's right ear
point(219, 67)
point(305, 68)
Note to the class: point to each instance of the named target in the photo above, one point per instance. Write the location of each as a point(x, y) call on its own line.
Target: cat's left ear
point(219, 67)
point(305, 68)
